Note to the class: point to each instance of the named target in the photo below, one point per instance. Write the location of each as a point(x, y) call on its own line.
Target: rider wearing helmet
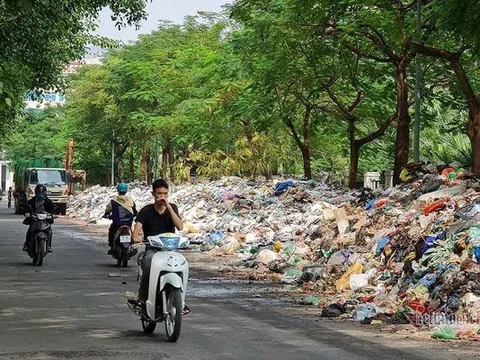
point(39, 203)
point(121, 209)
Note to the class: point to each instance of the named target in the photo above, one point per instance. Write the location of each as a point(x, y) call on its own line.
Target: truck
point(49, 172)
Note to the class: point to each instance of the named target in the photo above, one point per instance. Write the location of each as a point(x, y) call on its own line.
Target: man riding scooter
point(39, 203)
point(122, 210)
point(157, 218)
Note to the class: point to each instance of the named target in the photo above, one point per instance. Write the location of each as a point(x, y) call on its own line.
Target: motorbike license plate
point(125, 239)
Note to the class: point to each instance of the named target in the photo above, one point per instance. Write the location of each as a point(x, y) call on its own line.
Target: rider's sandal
point(186, 310)
point(139, 307)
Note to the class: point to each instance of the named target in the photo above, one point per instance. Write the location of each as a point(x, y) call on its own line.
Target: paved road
point(71, 309)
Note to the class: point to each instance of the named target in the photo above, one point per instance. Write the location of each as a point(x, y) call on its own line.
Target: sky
point(173, 10)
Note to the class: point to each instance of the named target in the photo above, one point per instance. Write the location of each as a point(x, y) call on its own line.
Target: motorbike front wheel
point(41, 252)
point(173, 321)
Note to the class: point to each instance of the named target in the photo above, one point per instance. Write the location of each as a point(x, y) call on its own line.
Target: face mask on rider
point(41, 196)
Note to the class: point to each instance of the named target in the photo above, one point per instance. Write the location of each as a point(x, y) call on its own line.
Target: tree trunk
point(403, 121)
point(143, 165)
point(305, 145)
point(149, 167)
point(171, 162)
point(164, 163)
point(121, 170)
point(473, 132)
point(131, 163)
point(354, 154)
point(307, 170)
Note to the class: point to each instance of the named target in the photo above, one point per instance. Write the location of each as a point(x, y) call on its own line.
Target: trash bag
point(405, 175)
point(446, 333)
point(381, 244)
point(358, 281)
point(230, 247)
point(365, 311)
point(428, 280)
point(333, 310)
point(267, 256)
point(311, 274)
point(344, 282)
point(281, 187)
point(468, 211)
point(430, 241)
point(366, 195)
point(430, 183)
point(292, 275)
point(216, 236)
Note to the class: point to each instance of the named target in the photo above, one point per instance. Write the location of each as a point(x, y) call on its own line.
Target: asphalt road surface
point(72, 309)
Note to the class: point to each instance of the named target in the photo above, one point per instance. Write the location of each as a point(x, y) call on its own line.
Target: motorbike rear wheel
point(125, 257)
point(173, 321)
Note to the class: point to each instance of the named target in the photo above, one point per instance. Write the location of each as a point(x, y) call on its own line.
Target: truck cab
point(54, 179)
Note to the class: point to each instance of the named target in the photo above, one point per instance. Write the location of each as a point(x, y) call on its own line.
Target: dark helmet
point(41, 191)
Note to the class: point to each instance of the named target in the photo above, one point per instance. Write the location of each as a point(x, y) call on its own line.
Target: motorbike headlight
point(171, 244)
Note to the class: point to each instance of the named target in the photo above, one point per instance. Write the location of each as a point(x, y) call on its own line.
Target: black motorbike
point(122, 249)
point(122, 246)
point(40, 227)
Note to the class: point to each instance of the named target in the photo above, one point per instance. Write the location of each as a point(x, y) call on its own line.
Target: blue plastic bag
point(430, 241)
point(476, 251)
point(281, 187)
point(428, 280)
point(216, 236)
point(370, 204)
point(382, 243)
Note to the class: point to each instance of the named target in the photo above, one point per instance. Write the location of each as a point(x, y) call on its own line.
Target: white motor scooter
point(167, 285)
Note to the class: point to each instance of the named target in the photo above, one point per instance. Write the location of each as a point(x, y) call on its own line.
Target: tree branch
point(356, 102)
point(454, 59)
point(337, 102)
point(376, 134)
point(365, 55)
point(293, 131)
point(378, 39)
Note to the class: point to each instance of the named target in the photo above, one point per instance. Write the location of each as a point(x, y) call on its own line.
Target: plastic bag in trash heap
point(344, 281)
point(446, 333)
point(339, 258)
point(281, 187)
point(468, 211)
point(430, 183)
point(267, 256)
point(365, 311)
point(230, 247)
point(358, 281)
point(382, 243)
point(292, 275)
point(216, 237)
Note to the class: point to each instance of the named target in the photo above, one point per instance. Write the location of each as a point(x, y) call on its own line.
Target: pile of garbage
point(406, 255)
point(90, 205)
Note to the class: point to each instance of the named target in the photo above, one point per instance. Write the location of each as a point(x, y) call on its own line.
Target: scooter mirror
point(184, 244)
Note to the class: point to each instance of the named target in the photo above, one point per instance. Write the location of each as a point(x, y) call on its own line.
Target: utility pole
point(156, 159)
point(418, 82)
point(113, 157)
